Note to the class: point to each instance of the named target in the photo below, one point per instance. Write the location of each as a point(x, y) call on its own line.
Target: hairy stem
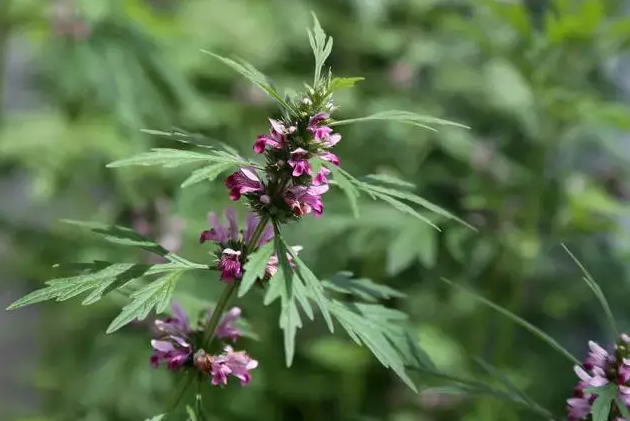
point(229, 290)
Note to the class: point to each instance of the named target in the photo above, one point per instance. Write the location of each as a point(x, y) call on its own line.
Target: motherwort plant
point(298, 168)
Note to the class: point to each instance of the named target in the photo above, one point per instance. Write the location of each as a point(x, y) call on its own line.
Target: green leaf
point(612, 325)
point(321, 45)
point(600, 408)
point(364, 289)
point(290, 322)
point(417, 241)
point(121, 235)
point(344, 183)
point(194, 139)
point(255, 267)
point(209, 173)
point(387, 179)
point(523, 323)
point(254, 76)
point(625, 412)
point(344, 82)
point(156, 295)
point(314, 288)
point(171, 158)
point(403, 207)
point(375, 327)
point(99, 277)
point(378, 191)
point(405, 117)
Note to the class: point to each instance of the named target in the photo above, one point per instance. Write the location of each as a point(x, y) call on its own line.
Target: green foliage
point(255, 267)
point(156, 295)
point(322, 47)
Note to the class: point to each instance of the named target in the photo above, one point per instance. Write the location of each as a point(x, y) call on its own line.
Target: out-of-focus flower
point(229, 363)
point(171, 345)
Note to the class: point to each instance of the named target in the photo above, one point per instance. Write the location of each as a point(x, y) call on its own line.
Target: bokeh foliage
point(543, 164)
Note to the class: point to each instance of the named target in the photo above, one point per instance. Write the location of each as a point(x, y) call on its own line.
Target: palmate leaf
point(523, 323)
point(321, 45)
point(597, 291)
point(364, 289)
point(255, 267)
point(100, 278)
point(156, 295)
point(405, 117)
point(255, 77)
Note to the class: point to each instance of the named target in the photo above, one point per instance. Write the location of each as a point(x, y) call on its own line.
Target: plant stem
point(181, 390)
point(229, 290)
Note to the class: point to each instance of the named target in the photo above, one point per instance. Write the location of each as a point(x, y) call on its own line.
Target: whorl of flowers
point(178, 345)
point(232, 244)
point(602, 367)
point(291, 186)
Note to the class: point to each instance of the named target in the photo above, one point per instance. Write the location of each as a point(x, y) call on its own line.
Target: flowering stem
point(229, 290)
point(181, 390)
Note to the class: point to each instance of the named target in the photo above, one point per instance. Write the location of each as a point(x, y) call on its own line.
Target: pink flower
point(272, 266)
point(321, 178)
point(230, 265)
point(230, 363)
point(578, 408)
point(226, 328)
point(330, 157)
point(323, 134)
point(171, 345)
point(304, 200)
point(243, 181)
point(299, 162)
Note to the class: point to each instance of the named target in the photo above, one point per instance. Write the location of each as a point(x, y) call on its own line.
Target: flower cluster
point(292, 186)
point(232, 244)
point(179, 346)
point(601, 368)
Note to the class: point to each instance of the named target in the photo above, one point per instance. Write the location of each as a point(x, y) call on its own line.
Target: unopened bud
point(265, 199)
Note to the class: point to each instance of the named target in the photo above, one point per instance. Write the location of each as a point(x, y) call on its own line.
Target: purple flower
point(243, 181)
point(601, 368)
point(227, 328)
point(330, 157)
point(230, 265)
point(299, 162)
point(172, 345)
point(304, 200)
point(323, 134)
point(321, 178)
point(232, 242)
point(230, 363)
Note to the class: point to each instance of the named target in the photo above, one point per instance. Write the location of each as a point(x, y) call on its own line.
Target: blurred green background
point(546, 161)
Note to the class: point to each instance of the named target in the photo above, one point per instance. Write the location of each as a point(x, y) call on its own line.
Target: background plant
point(457, 59)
